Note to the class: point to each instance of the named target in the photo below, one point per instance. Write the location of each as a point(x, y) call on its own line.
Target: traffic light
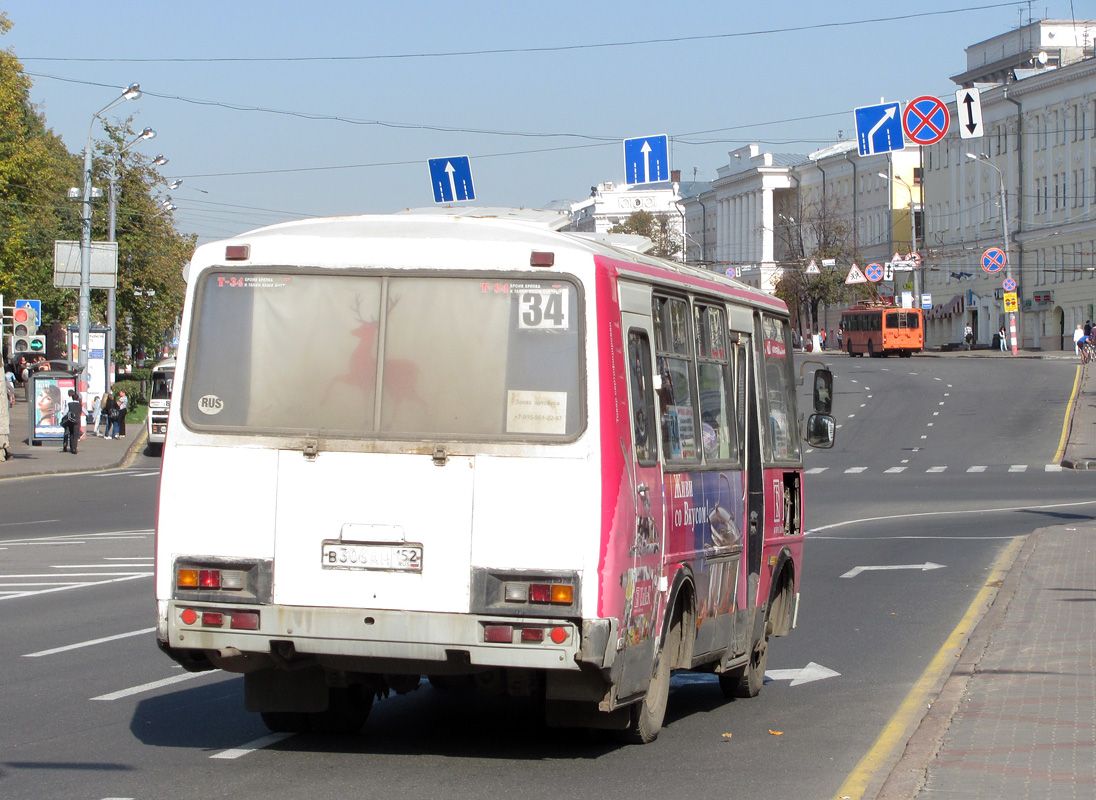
point(25, 338)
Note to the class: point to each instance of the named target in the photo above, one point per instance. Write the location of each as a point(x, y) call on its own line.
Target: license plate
point(384, 556)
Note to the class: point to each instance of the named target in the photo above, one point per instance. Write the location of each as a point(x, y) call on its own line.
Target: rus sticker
point(210, 404)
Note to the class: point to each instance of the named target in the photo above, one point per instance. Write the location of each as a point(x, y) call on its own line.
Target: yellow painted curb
point(884, 753)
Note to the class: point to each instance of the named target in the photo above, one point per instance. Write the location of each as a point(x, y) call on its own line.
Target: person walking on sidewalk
point(123, 407)
point(968, 336)
point(96, 412)
point(110, 413)
point(71, 423)
point(1004, 346)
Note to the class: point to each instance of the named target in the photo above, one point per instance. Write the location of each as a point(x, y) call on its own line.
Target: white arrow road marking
point(811, 672)
point(852, 573)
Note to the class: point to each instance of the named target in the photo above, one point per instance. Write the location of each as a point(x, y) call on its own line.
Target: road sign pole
point(1008, 261)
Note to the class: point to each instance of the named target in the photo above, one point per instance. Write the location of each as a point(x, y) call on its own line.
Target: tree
point(35, 173)
point(655, 227)
point(151, 253)
point(829, 234)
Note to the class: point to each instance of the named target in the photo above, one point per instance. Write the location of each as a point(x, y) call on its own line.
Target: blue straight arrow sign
point(647, 159)
point(451, 179)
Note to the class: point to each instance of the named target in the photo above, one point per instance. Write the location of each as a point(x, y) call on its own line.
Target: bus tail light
point(191, 578)
point(244, 620)
point(498, 633)
point(557, 593)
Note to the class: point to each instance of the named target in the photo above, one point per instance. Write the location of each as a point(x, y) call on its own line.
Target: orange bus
point(880, 330)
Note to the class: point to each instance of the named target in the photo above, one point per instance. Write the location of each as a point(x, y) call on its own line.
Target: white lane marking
point(1053, 468)
point(154, 685)
point(129, 558)
point(88, 643)
point(936, 413)
point(917, 514)
point(855, 470)
point(977, 469)
point(28, 522)
point(1018, 468)
point(78, 538)
point(896, 469)
point(936, 469)
point(815, 470)
point(251, 747)
point(99, 566)
point(76, 586)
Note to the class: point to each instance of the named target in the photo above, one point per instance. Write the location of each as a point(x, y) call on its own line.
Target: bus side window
point(715, 385)
point(677, 408)
point(640, 388)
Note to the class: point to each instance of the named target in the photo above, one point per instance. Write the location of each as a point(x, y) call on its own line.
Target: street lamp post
point(919, 281)
point(112, 229)
point(981, 158)
point(132, 92)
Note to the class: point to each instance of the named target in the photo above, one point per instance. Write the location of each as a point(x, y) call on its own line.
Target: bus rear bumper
point(205, 636)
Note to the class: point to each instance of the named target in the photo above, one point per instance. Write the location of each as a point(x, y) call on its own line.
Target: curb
point(908, 776)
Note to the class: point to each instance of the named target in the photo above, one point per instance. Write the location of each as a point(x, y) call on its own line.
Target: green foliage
point(36, 172)
point(655, 227)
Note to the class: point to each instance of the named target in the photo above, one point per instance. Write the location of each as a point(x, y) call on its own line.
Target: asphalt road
point(110, 719)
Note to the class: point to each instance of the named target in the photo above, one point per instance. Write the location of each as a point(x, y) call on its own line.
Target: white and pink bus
point(468, 446)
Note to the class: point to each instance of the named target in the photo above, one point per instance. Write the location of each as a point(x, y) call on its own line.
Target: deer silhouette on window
point(400, 376)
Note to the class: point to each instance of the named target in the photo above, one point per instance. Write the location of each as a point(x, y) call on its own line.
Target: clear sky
point(272, 110)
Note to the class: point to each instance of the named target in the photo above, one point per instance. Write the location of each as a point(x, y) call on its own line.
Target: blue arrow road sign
point(647, 159)
point(879, 129)
point(451, 179)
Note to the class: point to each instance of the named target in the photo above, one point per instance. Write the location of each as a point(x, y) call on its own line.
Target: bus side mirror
point(820, 431)
point(823, 391)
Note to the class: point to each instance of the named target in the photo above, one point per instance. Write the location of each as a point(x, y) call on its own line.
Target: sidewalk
point(93, 453)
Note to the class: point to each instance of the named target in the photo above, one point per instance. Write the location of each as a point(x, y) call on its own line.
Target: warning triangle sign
point(855, 275)
point(812, 268)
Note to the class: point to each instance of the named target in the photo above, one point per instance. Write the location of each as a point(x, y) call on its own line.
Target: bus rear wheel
point(649, 714)
point(747, 681)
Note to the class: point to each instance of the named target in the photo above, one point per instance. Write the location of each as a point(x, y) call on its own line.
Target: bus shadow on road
point(428, 721)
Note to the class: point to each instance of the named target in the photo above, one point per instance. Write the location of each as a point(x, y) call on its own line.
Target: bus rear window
point(419, 356)
point(903, 320)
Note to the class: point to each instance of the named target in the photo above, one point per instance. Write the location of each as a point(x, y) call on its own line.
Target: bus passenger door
point(642, 579)
point(751, 419)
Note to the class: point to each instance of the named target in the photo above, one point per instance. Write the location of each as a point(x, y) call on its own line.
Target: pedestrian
point(110, 414)
point(968, 336)
point(96, 411)
point(1077, 336)
point(123, 406)
point(71, 423)
point(822, 339)
point(1001, 333)
point(1088, 327)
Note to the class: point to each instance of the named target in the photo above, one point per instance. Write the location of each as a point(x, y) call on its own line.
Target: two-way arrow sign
point(968, 107)
point(852, 573)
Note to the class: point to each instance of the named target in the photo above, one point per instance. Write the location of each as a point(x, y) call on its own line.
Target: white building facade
point(1038, 104)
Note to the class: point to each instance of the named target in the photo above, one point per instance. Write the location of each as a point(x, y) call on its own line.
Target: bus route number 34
point(379, 556)
point(543, 308)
